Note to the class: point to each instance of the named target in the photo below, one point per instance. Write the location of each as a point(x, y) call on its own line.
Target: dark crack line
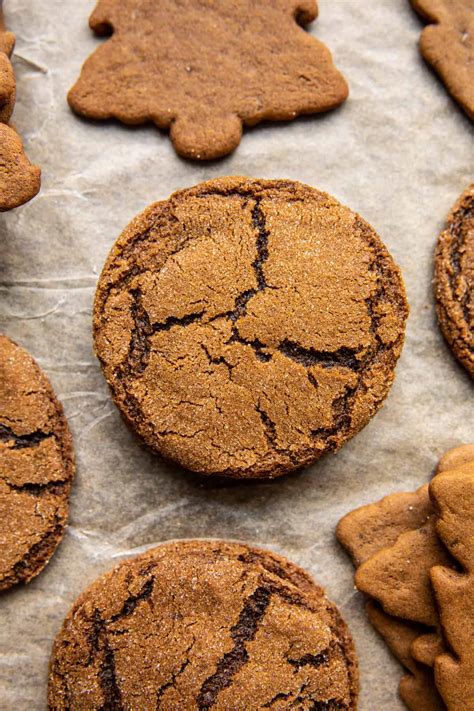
point(38, 551)
point(342, 358)
point(242, 300)
point(342, 420)
point(311, 660)
point(139, 351)
point(260, 350)
point(268, 426)
point(459, 229)
point(243, 631)
point(173, 321)
point(133, 600)
point(220, 360)
point(50, 487)
point(330, 705)
point(108, 677)
point(161, 691)
point(33, 439)
point(279, 697)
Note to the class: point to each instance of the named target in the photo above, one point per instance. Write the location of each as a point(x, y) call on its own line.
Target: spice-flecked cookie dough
point(448, 46)
point(202, 69)
point(454, 280)
point(36, 467)
point(200, 625)
point(246, 327)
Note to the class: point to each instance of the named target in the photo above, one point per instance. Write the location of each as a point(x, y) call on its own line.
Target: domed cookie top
point(204, 68)
point(454, 280)
point(201, 625)
point(247, 327)
point(36, 467)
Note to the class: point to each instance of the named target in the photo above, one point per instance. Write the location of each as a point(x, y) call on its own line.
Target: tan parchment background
point(399, 152)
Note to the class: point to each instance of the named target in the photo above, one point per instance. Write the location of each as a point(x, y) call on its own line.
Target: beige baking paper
point(399, 152)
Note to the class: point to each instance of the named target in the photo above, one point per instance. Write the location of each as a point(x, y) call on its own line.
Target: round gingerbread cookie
point(454, 280)
point(36, 467)
point(246, 327)
point(201, 625)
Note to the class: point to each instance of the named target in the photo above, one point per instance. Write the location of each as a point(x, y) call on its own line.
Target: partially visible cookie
point(417, 689)
point(452, 492)
point(402, 546)
point(454, 280)
point(456, 457)
point(7, 39)
point(364, 531)
point(36, 467)
point(371, 534)
point(7, 77)
point(201, 625)
point(205, 69)
point(19, 179)
point(7, 42)
point(398, 577)
point(7, 88)
point(448, 46)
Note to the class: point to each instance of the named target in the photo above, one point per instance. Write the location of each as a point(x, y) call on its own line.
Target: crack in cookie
point(36, 467)
point(32, 439)
point(454, 280)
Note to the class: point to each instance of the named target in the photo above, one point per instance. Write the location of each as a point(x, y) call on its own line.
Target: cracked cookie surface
point(454, 280)
point(201, 625)
point(36, 467)
point(246, 327)
point(203, 69)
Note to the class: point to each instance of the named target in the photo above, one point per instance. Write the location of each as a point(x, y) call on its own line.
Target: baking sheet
point(399, 152)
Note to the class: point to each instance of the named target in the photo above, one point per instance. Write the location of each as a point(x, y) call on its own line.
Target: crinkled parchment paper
point(399, 152)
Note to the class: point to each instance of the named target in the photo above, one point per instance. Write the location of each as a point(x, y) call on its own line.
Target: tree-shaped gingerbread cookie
point(205, 68)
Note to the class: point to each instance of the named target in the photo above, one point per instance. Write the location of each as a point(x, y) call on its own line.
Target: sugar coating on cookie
point(36, 467)
point(246, 327)
point(448, 46)
point(203, 69)
point(454, 280)
point(201, 625)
